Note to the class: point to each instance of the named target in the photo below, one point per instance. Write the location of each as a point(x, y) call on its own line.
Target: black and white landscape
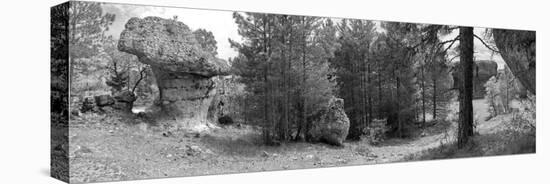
point(165, 92)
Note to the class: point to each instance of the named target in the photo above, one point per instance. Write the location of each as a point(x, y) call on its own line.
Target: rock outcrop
point(331, 125)
point(183, 71)
point(124, 101)
point(483, 71)
point(518, 49)
point(104, 100)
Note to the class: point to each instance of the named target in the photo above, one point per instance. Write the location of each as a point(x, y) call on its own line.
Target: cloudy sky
point(222, 25)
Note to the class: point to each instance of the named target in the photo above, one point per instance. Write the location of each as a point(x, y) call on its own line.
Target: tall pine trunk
point(466, 109)
point(422, 84)
point(434, 97)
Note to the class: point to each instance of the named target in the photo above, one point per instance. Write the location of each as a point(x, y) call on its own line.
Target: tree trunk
point(369, 95)
point(518, 49)
point(267, 93)
point(423, 96)
point(380, 115)
point(434, 99)
point(303, 86)
point(466, 108)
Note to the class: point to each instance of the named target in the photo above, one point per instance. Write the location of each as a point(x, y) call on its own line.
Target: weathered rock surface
point(219, 101)
point(87, 105)
point(518, 49)
point(104, 100)
point(483, 71)
point(124, 101)
point(183, 71)
point(332, 124)
point(170, 46)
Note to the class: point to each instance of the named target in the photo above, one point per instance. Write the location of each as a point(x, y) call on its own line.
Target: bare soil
point(107, 148)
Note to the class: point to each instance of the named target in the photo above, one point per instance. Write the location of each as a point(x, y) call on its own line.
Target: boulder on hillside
point(331, 125)
point(182, 69)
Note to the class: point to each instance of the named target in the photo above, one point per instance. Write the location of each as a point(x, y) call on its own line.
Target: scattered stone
point(193, 150)
point(331, 125)
point(124, 101)
point(87, 105)
point(104, 100)
point(75, 112)
point(342, 161)
point(82, 150)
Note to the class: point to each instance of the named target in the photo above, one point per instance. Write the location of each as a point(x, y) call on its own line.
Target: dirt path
point(104, 152)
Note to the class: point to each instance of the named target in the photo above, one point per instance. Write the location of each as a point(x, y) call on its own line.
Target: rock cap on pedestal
point(170, 46)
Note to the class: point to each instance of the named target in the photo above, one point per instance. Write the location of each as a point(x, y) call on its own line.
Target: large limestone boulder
point(518, 49)
point(183, 71)
point(331, 125)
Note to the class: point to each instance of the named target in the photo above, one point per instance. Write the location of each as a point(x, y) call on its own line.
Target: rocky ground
point(105, 148)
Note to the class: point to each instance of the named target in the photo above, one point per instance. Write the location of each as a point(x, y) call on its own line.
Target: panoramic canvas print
point(142, 92)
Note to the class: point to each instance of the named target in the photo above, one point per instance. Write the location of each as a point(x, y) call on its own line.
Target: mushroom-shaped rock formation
point(183, 70)
point(518, 49)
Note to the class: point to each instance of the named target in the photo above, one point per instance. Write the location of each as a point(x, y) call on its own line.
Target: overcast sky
point(222, 25)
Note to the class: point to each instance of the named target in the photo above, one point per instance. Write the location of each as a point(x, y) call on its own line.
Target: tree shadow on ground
point(433, 130)
point(249, 143)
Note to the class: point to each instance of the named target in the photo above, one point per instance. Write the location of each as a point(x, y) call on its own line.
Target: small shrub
point(225, 120)
point(375, 132)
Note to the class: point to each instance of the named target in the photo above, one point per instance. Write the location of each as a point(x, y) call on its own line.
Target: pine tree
point(285, 64)
point(465, 127)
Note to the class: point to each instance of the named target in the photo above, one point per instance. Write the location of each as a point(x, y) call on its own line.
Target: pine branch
point(450, 45)
point(486, 45)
